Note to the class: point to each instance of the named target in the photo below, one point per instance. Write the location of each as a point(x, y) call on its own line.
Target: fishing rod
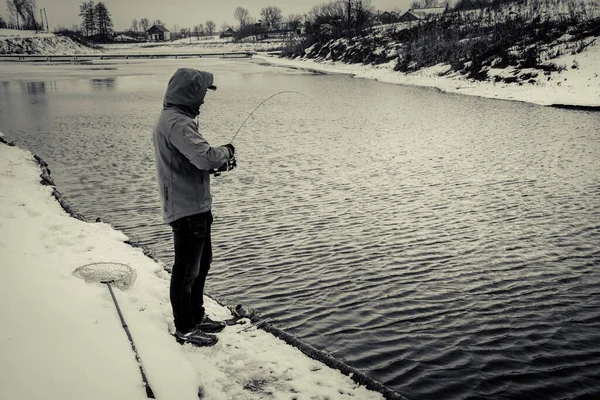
point(231, 163)
point(258, 106)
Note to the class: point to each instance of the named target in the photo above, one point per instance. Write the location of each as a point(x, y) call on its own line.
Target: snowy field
point(62, 338)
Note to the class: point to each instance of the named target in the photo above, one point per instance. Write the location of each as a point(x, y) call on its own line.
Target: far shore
point(574, 88)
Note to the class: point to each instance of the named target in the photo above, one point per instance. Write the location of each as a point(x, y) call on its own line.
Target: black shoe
point(196, 338)
point(208, 325)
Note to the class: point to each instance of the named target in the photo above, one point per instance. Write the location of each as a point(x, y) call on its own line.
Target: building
point(419, 14)
point(387, 17)
point(228, 33)
point(159, 33)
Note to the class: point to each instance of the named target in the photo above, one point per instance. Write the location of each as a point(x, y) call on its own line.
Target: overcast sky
point(183, 13)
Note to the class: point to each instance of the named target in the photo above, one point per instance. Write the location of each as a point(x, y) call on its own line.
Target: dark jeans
point(193, 255)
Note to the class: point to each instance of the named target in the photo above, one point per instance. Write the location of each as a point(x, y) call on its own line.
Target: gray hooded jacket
point(183, 156)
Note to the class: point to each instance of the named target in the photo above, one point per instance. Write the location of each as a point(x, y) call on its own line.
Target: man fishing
point(184, 161)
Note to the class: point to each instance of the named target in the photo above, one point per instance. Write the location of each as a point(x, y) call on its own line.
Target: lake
point(445, 245)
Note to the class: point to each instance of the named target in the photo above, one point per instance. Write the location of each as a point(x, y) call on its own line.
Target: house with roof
point(420, 14)
point(158, 33)
point(228, 33)
point(387, 17)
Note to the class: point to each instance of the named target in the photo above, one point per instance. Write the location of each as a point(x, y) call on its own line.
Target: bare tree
point(418, 4)
point(340, 18)
point(210, 27)
point(25, 10)
point(272, 17)
point(294, 21)
point(144, 24)
point(327, 19)
point(198, 30)
point(135, 26)
point(242, 15)
point(361, 14)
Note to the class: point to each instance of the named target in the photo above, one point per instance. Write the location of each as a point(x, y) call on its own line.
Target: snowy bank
point(572, 87)
point(30, 42)
point(62, 337)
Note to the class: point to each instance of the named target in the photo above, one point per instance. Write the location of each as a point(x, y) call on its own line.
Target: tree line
point(272, 19)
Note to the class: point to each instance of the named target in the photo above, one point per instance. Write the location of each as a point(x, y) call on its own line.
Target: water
point(445, 245)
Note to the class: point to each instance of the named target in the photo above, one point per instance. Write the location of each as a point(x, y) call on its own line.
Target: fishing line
point(231, 163)
point(258, 106)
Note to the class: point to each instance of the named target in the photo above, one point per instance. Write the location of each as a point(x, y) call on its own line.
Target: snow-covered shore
point(62, 337)
point(577, 85)
point(572, 87)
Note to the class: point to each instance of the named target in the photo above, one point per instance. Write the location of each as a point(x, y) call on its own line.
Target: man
point(184, 160)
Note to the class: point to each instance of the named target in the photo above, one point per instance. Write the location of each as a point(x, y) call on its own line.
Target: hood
point(186, 90)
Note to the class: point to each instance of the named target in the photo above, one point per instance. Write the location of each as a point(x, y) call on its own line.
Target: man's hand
point(231, 149)
point(228, 166)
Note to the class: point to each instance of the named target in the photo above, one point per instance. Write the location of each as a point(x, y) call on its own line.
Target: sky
point(183, 13)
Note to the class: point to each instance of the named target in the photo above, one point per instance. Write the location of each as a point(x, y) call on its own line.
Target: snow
point(28, 42)
point(20, 33)
point(573, 86)
point(61, 337)
point(577, 84)
point(194, 46)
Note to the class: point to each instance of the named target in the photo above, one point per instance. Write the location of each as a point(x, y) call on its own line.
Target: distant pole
point(47, 25)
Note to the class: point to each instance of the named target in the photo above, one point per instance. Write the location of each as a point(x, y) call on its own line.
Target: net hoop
point(119, 275)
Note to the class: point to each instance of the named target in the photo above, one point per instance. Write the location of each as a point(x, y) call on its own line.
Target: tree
point(104, 23)
point(88, 18)
point(135, 26)
point(294, 21)
point(158, 22)
point(25, 10)
point(144, 24)
point(339, 18)
point(225, 26)
point(242, 16)
point(3, 24)
point(210, 27)
point(272, 17)
point(199, 30)
point(360, 15)
point(417, 4)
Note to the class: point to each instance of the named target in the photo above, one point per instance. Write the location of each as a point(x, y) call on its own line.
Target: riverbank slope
point(62, 337)
point(545, 53)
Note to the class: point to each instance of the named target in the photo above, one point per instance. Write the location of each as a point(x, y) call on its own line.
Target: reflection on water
point(446, 245)
point(103, 84)
point(35, 87)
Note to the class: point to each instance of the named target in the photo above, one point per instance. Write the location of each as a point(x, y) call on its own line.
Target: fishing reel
point(228, 166)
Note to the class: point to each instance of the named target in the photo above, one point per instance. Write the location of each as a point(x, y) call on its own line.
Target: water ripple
point(451, 254)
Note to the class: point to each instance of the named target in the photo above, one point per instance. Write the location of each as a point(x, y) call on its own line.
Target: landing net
point(119, 275)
